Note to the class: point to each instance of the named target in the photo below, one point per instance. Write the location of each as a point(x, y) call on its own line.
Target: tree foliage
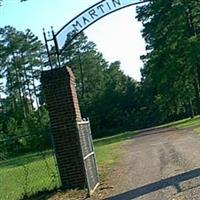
point(20, 65)
point(171, 31)
point(105, 92)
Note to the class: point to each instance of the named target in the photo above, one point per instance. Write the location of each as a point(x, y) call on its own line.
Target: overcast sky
point(117, 35)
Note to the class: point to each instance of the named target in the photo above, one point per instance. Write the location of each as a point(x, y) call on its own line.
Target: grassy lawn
point(186, 123)
point(193, 123)
point(181, 124)
point(27, 175)
point(33, 173)
point(190, 123)
point(107, 149)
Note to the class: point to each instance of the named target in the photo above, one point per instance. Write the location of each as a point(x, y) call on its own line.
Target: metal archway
point(82, 21)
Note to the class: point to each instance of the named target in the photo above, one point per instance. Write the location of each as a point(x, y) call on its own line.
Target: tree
point(104, 92)
point(20, 64)
point(168, 64)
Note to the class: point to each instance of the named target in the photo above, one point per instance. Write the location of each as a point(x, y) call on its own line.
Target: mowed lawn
point(29, 174)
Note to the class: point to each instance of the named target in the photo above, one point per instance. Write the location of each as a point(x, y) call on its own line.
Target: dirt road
point(161, 164)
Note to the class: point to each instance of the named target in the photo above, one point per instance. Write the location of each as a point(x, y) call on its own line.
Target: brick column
point(62, 104)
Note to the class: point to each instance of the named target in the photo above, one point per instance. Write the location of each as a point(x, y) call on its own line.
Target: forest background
point(169, 89)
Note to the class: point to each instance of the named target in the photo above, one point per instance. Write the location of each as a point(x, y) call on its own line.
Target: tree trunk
point(193, 32)
point(197, 92)
point(191, 109)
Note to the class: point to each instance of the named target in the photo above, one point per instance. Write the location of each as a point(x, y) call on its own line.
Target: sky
point(118, 35)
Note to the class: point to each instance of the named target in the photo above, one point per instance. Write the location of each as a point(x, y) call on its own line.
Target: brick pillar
point(62, 104)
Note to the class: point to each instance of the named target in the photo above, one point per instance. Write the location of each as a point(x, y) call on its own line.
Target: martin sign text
point(90, 16)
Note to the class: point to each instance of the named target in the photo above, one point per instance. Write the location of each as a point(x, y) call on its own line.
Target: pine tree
point(168, 63)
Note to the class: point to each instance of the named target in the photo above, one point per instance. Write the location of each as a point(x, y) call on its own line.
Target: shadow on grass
point(25, 159)
point(152, 187)
point(115, 138)
point(184, 123)
point(44, 195)
point(132, 134)
point(192, 122)
point(59, 194)
point(148, 131)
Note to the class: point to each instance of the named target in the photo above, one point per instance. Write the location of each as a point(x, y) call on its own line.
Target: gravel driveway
point(162, 164)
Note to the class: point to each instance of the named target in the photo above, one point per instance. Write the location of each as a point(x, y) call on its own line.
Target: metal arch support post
point(47, 48)
point(56, 47)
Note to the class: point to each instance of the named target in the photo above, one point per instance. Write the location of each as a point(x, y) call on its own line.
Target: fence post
point(62, 104)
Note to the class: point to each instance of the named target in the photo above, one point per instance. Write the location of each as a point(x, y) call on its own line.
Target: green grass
point(184, 123)
point(197, 130)
point(106, 154)
point(107, 149)
point(181, 124)
point(193, 123)
point(27, 175)
point(189, 123)
point(30, 174)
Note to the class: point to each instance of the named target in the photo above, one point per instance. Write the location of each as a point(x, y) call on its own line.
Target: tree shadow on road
point(152, 187)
